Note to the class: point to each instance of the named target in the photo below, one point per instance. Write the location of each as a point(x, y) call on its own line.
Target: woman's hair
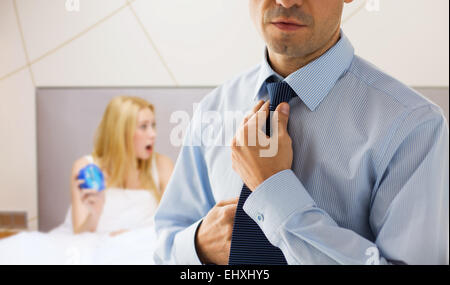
point(114, 144)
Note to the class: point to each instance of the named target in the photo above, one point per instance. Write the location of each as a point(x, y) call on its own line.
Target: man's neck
point(285, 65)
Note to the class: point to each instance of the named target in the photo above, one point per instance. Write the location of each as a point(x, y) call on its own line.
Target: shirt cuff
point(274, 200)
point(184, 246)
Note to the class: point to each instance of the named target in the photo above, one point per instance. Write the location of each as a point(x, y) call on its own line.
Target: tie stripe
point(249, 245)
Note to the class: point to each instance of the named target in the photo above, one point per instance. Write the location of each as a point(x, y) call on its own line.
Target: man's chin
point(287, 49)
point(287, 44)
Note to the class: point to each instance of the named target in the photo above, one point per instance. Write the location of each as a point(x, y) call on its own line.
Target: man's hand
point(247, 160)
point(213, 238)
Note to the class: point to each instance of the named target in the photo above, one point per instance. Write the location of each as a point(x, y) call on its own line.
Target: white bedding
point(129, 209)
point(133, 247)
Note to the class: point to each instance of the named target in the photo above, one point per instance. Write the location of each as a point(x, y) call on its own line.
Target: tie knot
point(279, 92)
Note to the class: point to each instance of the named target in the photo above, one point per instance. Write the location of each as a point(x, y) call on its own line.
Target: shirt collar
point(314, 81)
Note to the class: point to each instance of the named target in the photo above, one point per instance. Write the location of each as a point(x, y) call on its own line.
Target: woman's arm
point(165, 169)
point(87, 205)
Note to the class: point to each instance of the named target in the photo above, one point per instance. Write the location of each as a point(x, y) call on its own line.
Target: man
point(360, 175)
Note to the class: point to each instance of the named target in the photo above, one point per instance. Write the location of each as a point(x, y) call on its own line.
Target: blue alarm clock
point(93, 178)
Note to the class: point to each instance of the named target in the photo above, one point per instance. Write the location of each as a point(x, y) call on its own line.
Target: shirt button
point(260, 217)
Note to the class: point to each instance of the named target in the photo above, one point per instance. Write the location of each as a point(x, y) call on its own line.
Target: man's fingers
point(228, 202)
point(248, 130)
point(253, 111)
point(261, 115)
point(257, 106)
point(282, 115)
point(230, 211)
point(264, 107)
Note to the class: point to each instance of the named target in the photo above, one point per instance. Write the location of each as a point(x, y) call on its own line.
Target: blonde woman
point(135, 174)
point(114, 226)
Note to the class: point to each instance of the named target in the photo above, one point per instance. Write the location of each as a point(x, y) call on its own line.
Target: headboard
point(68, 117)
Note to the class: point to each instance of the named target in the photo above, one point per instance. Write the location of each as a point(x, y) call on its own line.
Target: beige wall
point(169, 43)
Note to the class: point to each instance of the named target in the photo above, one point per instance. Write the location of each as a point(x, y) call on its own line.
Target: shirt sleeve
point(409, 214)
point(186, 200)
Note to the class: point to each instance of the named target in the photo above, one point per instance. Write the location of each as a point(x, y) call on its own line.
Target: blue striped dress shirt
point(369, 179)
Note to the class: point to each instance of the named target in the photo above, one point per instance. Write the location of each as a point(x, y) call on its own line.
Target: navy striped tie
point(249, 245)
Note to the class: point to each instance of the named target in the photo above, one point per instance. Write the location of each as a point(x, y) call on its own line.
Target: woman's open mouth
point(149, 148)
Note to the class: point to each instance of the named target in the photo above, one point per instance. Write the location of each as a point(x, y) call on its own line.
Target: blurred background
point(176, 43)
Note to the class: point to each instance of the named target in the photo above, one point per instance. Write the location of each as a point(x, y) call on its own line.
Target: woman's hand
point(87, 203)
point(92, 200)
